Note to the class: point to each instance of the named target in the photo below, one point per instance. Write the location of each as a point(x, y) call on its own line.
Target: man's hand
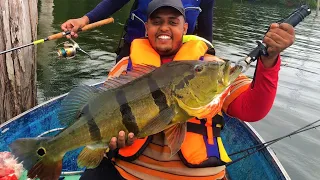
point(120, 142)
point(212, 58)
point(74, 25)
point(277, 39)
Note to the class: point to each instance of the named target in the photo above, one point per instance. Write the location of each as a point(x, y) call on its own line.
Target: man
point(202, 156)
point(198, 12)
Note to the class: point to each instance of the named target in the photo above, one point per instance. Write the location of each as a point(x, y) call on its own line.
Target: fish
point(145, 101)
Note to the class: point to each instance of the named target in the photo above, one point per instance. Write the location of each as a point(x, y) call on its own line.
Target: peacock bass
point(145, 101)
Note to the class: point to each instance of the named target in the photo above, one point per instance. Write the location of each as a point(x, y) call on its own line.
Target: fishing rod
point(293, 19)
point(300, 130)
point(266, 144)
point(62, 34)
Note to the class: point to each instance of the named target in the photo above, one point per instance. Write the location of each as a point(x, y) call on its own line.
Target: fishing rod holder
point(69, 50)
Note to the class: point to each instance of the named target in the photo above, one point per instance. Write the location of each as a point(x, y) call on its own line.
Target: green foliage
point(290, 3)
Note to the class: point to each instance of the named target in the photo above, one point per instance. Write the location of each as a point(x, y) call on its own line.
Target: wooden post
point(18, 26)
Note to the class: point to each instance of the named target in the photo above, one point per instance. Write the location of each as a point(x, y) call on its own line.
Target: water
point(236, 28)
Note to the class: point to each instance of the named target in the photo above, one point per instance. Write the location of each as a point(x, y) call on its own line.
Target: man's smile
point(164, 38)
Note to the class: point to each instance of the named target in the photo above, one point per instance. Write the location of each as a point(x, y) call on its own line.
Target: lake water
point(236, 28)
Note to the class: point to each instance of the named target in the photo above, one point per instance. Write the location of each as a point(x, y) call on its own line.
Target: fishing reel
point(69, 50)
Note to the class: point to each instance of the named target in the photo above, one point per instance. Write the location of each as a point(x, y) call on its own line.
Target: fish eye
point(41, 151)
point(198, 68)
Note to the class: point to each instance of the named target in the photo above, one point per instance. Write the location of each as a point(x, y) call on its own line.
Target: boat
point(237, 135)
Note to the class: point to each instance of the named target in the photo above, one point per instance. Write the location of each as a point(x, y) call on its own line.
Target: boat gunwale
point(259, 138)
point(40, 105)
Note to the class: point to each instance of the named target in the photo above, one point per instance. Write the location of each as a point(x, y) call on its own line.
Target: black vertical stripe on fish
point(184, 81)
point(128, 118)
point(94, 130)
point(158, 96)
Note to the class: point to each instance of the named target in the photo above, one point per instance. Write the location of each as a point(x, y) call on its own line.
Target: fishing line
point(295, 93)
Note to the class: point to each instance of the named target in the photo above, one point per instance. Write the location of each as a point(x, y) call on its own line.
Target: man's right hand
point(74, 25)
point(121, 142)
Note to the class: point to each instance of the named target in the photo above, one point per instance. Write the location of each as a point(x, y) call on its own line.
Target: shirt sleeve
point(105, 9)
point(255, 102)
point(205, 19)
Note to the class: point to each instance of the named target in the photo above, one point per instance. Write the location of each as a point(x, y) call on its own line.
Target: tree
point(18, 26)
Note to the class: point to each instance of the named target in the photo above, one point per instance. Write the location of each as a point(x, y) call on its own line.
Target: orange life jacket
point(202, 146)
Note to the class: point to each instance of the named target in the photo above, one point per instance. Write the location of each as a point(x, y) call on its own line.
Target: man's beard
point(165, 51)
point(169, 51)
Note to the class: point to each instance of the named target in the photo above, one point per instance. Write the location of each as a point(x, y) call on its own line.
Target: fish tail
point(36, 158)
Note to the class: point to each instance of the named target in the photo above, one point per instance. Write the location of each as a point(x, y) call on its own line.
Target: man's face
point(165, 29)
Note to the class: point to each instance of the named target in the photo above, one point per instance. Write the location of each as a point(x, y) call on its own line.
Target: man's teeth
point(164, 37)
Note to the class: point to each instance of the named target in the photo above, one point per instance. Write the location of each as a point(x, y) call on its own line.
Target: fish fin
point(71, 105)
point(175, 136)
point(158, 123)
point(226, 73)
point(36, 159)
point(91, 157)
point(234, 73)
point(136, 72)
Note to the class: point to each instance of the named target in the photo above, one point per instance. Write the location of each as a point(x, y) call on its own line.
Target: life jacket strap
point(209, 129)
point(198, 128)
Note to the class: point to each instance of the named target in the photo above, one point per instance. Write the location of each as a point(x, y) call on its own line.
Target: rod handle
point(297, 16)
point(56, 36)
point(84, 28)
point(97, 24)
point(294, 19)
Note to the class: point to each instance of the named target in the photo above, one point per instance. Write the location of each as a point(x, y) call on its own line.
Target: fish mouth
point(218, 69)
point(213, 107)
point(217, 64)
